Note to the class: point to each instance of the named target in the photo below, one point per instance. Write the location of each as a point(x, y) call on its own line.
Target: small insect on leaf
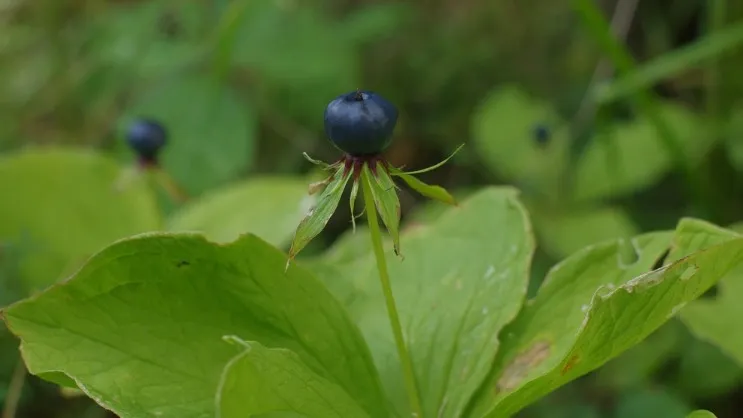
point(318, 216)
point(384, 193)
point(427, 190)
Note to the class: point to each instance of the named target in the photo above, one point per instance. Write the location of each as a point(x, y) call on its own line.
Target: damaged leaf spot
point(570, 364)
point(520, 367)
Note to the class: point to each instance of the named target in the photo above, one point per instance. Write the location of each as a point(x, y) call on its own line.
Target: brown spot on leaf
point(570, 364)
point(520, 367)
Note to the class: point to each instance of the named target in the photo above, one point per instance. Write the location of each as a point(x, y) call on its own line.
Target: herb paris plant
point(361, 124)
point(172, 325)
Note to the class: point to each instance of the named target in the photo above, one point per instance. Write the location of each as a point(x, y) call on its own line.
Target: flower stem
point(384, 278)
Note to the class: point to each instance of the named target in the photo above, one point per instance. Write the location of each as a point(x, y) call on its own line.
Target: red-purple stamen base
point(356, 163)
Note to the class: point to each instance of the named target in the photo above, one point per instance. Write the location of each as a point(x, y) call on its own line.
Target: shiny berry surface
point(146, 137)
point(360, 123)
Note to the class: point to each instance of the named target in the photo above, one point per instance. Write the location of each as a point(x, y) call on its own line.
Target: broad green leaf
point(593, 306)
point(62, 205)
point(269, 207)
point(713, 320)
point(503, 134)
point(562, 232)
point(651, 403)
point(637, 365)
point(211, 131)
point(462, 280)
point(701, 414)
point(262, 380)
point(433, 192)
point(318, 216)
point(147, 317)
point(386, 201)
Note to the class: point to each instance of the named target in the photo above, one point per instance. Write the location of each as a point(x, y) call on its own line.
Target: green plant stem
point(384, 278)
point(15, 390)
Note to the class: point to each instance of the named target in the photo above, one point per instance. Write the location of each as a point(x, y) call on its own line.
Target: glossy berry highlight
point(147, 137)
point(360, 123)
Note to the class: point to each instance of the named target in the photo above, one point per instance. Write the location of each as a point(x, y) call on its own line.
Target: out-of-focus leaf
point(60, 206)
point(503, 129)
point(149, 38)
point(630, 157)
point(563, 232)
point(211, 131)
point(705, 372)
point(374, 21)
point(269, 207)
point(318, 216)
point(701, 414)
point(651, 403)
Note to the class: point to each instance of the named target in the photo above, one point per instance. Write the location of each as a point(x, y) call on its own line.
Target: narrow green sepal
point(319, 215)
point(427, 190)
point(398, 172)
point(322, 164)
point(384, 192)
point(352, 203)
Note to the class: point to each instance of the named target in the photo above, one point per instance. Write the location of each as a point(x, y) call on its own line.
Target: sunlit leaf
point(269, 207)
point(590, 308)
point(147, 317)
point(62, 205)
point(462, 279)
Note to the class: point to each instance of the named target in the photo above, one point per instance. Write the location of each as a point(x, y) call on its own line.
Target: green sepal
point(384, 192)
point(431, 168)
point(322, 164)
point(352, 203)
point(319, 215)
point(427, 190)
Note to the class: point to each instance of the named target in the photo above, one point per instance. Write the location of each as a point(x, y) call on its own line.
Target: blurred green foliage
point(241, 86)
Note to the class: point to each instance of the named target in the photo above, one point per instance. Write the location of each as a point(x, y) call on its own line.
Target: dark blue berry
point(146, 137)
point(541, 134)
point(360, 123)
